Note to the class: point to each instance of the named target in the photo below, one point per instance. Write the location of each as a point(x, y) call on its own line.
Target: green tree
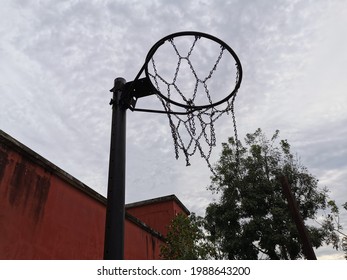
point(186, 240)
point(332, 226)
point(344, 238)
point(251, 220)
point(344, 245)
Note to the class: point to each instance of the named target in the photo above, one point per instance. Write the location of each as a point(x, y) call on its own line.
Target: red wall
point(43, 217)
point(47, 214)
point(157, 214)
point(139, 244)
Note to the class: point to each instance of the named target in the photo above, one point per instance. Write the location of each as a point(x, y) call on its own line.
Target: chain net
point(194, 131)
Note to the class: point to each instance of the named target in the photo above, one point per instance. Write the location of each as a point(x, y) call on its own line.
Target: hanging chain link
point(237, 153)
point(189, 123)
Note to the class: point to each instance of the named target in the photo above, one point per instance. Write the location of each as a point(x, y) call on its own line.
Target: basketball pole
point(115, 209)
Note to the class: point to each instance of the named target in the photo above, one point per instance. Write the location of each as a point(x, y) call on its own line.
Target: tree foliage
point(185, 239)
point(332, 226)
point(251, 220)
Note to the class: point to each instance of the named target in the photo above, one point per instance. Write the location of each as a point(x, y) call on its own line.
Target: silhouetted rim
point(157, 45)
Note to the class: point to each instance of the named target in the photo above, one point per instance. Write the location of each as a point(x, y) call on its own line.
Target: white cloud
point(59, 59)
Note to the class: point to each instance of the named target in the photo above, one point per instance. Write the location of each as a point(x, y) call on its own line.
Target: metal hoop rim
point(156, 46)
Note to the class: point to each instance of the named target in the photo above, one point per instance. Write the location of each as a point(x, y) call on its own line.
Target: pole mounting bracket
point(137, 89)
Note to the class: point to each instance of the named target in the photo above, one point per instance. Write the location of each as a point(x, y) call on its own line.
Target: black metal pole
point(115, 210)
point(299, 222)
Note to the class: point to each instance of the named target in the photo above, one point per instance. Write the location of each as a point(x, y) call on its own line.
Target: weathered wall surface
point(157, 213)
point(43, 216)
point(47, 214)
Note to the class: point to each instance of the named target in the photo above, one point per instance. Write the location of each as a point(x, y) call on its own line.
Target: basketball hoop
point(195, 77)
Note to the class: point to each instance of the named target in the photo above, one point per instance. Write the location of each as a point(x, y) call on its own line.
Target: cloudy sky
point(58, 60)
